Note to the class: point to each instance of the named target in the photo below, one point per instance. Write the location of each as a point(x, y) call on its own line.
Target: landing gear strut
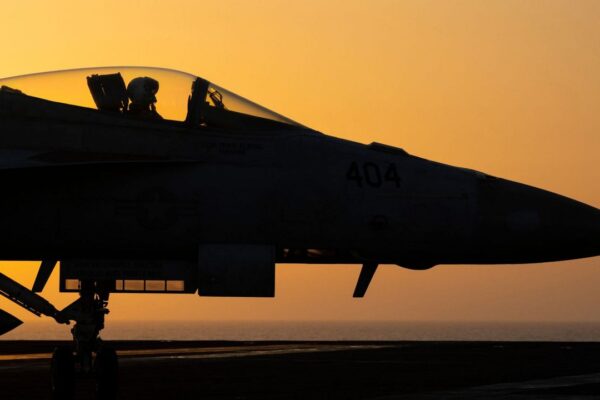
point(89, 356)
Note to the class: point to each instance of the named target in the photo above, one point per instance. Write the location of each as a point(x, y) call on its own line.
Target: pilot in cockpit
point(142, 94)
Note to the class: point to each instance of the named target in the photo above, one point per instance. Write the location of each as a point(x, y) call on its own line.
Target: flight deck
point(323, 370)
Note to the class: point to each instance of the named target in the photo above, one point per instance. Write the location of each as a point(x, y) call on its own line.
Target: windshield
point(149, 93)
point(223, 98)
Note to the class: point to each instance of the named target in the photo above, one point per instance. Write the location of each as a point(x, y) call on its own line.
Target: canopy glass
point(109, 89)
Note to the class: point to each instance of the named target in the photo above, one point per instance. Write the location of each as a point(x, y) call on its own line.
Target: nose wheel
point(88, 356)
point(106, 369)
point(63, 373)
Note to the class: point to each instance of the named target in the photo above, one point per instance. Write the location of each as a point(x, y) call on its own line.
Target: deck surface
point(324, 370)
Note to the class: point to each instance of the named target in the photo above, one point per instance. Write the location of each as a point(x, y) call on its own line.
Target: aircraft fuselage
point(301, 192)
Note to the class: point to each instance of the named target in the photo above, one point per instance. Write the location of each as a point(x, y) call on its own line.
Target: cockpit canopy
point(178, 96)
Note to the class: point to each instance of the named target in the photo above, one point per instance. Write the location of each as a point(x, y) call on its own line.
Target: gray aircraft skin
point(222, 196)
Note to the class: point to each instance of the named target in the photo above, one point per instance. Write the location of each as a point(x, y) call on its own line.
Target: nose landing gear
point(88, 356)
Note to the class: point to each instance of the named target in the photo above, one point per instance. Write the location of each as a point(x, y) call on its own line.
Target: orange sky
point(511, 88)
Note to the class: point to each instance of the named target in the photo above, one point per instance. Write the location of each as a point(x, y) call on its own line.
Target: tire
point(63, 373)
point(106, 367)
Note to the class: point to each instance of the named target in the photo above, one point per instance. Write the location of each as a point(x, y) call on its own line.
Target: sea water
point(321, 330)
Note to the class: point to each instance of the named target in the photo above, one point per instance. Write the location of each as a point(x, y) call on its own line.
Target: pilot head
point(142, 91)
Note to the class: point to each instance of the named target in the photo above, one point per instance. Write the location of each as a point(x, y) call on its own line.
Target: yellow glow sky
point(511, 88)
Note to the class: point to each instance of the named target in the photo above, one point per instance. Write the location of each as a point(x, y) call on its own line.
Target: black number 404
point(371, 174)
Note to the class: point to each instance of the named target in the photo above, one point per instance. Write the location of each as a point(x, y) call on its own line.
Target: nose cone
point(520, 223)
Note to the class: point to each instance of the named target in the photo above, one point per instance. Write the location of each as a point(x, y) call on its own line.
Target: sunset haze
point(510, 88)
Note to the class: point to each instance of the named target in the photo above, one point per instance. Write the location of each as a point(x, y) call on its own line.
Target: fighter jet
point(147, 180)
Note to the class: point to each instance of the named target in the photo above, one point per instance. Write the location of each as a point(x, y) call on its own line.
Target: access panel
point(236, 270)
point(130, 276)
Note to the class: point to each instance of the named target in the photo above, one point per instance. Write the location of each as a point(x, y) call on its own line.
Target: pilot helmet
point(142, 90)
